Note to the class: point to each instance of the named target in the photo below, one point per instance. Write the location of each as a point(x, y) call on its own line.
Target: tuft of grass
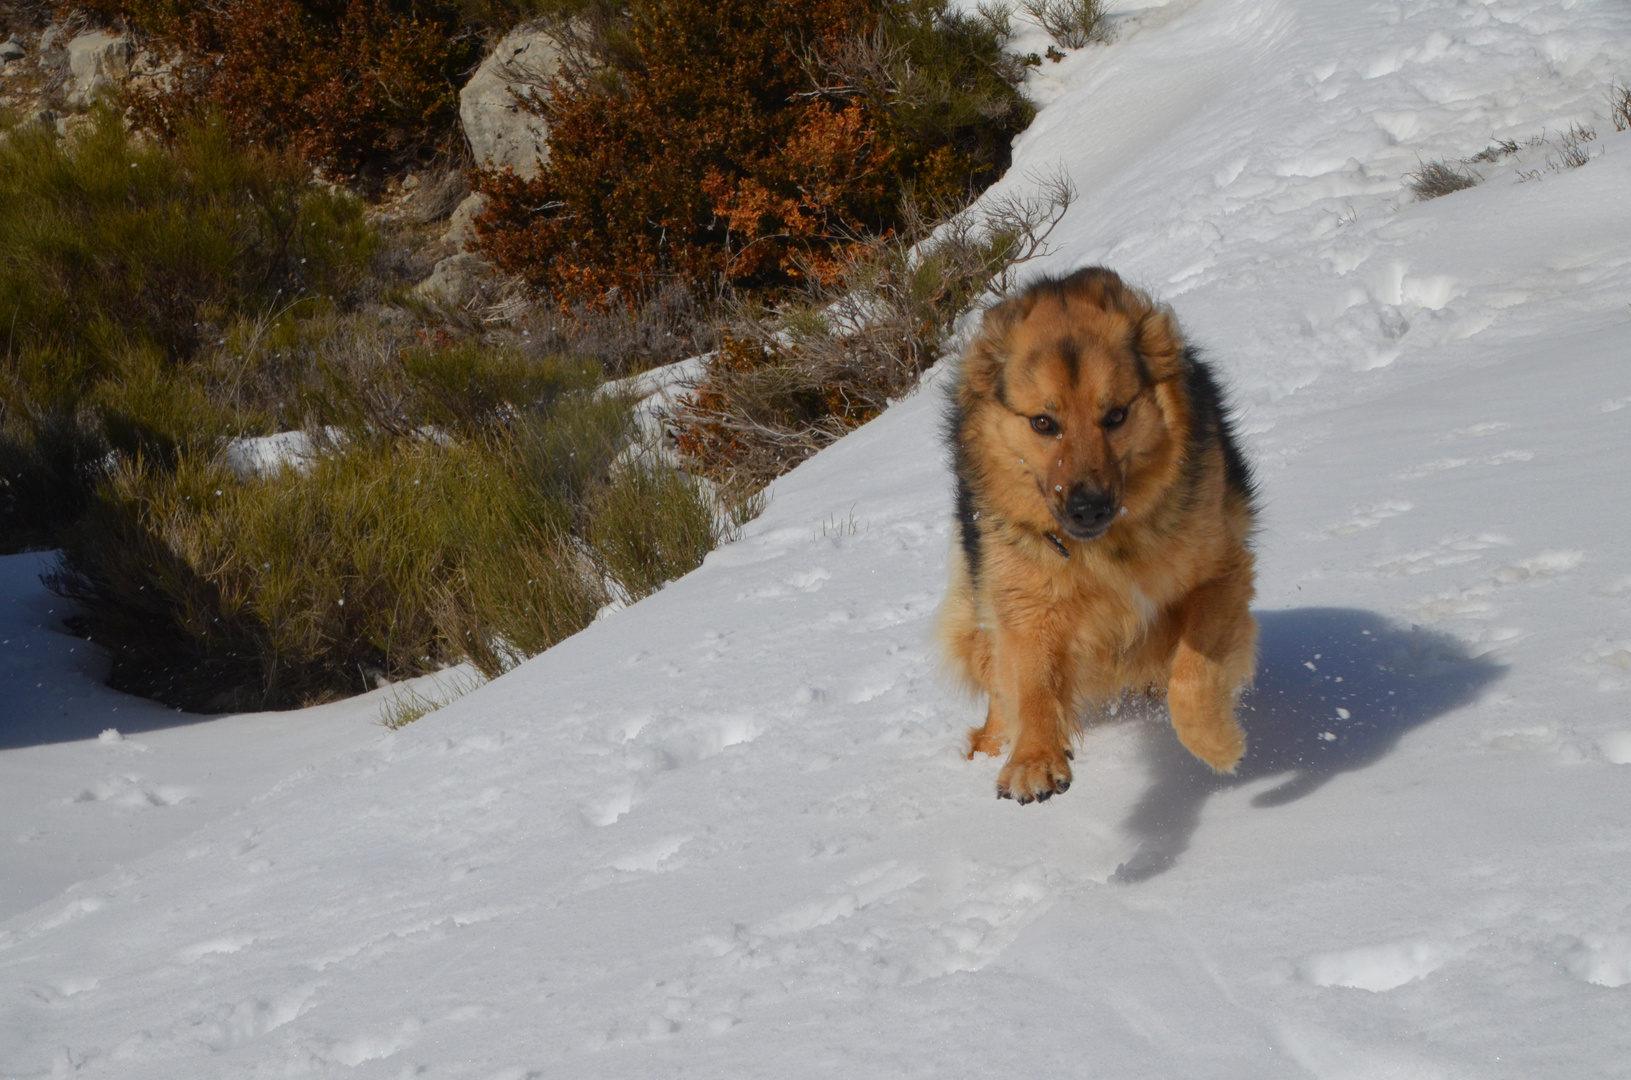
point(650, 525)
point(1075, 24)
point(1619, 106)
point(1571, 147)
point(1495, 151)
point(1438, 178)
point(406, 704)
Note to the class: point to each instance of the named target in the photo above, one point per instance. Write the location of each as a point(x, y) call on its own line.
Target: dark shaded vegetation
point(357, 87)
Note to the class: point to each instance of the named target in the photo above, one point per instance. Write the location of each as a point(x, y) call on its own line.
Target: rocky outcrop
point(501, 131)
point(96, 60)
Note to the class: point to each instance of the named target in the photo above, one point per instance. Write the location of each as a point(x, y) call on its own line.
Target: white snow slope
point(730, 832)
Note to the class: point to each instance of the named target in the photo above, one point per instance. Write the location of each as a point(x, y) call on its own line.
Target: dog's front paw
point(1034, 777)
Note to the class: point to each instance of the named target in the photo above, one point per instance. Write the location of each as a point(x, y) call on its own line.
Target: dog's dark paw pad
point(1070, 755)
point(1044, 796)
point(1025, 800)
point(1004, 793)
point(1062, 786)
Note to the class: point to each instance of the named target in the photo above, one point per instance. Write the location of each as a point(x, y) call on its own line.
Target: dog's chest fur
point(1097, 593)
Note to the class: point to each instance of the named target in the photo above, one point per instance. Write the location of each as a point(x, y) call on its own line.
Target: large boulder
point(500, 129)
point(97, 59)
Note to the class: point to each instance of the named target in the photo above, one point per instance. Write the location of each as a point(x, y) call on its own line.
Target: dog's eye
point(1115, 417)
point(1044, 425)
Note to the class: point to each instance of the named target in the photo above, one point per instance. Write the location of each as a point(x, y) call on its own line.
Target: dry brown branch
point(788, 381)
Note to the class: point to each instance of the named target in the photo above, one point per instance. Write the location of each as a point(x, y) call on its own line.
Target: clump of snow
point(1616, 746)
point(1602, 960)
point(1376, 968)
point(252, 457)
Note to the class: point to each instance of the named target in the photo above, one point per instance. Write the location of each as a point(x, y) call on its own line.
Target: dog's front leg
point(1031, 690)
point(1215, 656)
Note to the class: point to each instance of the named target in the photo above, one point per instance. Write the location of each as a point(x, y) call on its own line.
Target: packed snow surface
point(730, 830)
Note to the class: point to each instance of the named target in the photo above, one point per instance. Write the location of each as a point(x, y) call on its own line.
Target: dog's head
point(1072, 395)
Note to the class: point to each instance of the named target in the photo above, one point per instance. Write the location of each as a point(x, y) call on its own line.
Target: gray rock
point(435, 196)
point(96, 60)
point(11, 49)
point(53, 46)
point(501, 132)
point(457, 280)
point(461, 226)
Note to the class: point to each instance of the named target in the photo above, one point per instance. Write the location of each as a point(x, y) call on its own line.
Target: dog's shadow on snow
point(1336, 689)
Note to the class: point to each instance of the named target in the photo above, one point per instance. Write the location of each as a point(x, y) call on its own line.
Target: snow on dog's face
point(1077, 403)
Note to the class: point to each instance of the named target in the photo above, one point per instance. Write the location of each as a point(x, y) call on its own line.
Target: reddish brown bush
point(695, 157)
point(735, 142)
point(353, 86)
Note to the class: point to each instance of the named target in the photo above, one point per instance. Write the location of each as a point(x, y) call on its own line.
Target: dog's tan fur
point(1043, 623)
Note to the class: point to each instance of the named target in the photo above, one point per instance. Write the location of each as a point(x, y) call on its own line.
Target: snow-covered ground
point(91, 778)
point(730, 832)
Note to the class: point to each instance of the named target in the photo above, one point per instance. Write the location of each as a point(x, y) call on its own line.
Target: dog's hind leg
point(967, 645)
point(990, 738)
point(1217, 643)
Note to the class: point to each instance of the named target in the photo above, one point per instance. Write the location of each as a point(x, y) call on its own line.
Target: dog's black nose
point(1088, 512)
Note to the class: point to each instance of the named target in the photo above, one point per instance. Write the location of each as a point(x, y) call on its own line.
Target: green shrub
point(212, 592)
point(122, 264)
point(387, 556)
point(750, 144)
point(106, 240)
point(651, 524)
point(568, 452)
point(469, 387)
point(460, 504)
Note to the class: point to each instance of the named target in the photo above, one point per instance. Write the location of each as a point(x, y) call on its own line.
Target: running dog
point(1104, 524)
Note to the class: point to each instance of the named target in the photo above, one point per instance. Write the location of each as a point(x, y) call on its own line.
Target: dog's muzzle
point(1087, 512)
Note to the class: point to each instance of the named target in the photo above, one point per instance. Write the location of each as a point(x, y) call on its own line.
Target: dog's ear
point(988, 354)
point(1098, 285)
point(1159, 342)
